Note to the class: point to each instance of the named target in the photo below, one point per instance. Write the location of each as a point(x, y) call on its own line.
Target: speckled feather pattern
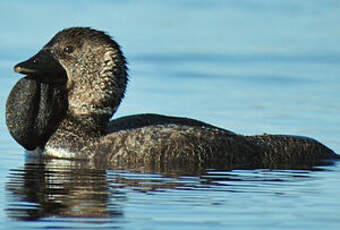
point(97, 78)
point(96, 72)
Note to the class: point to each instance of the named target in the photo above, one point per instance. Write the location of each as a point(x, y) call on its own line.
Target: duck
point(73, 86)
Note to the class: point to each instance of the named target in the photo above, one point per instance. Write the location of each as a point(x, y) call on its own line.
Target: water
point(260, 199)
point(249, 66)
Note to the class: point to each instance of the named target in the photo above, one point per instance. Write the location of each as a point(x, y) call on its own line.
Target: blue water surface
point(249, 66)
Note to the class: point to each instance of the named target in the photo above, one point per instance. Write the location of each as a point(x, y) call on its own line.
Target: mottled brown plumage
point(96, 81)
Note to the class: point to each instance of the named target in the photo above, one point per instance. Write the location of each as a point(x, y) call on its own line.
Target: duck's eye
point(68, 49)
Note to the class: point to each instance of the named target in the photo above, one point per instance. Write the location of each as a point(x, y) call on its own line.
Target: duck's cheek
point(69, 84)
point(71, 71)
point(33, 110)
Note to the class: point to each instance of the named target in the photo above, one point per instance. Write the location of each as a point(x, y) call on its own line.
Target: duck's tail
point(293, 152)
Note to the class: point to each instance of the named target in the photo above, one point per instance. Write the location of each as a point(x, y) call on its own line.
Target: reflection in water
point(58, 191)
point(62, 188)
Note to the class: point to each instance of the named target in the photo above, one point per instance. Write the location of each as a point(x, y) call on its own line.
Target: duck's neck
point(96, 86)
point(84, 125)
point(75, 133)
point(97, 83)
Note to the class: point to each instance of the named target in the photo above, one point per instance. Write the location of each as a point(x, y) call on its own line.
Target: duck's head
point(90, 63)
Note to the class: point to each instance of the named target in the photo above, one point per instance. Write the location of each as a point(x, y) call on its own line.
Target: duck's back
point(151, 119)
point(157, 142)
point(167, 145)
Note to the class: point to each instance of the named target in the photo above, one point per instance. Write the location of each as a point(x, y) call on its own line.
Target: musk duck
point(76, 82)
